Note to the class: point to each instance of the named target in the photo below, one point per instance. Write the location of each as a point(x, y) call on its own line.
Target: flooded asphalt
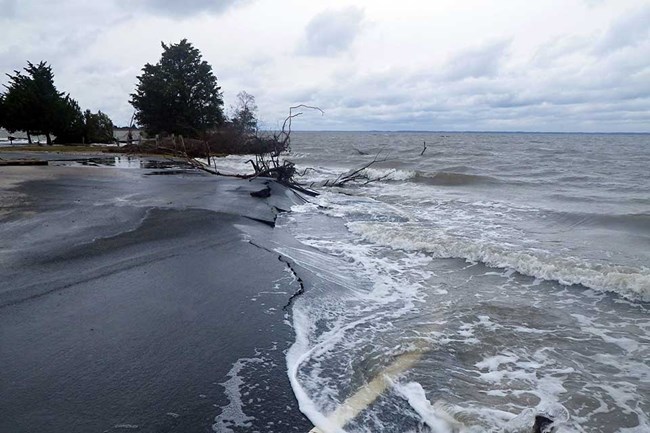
point(126, 299)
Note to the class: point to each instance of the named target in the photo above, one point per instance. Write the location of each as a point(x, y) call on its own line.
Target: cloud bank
point(570, 65)
point(175, 8)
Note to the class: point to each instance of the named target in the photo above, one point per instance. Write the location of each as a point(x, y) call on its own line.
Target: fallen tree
point(268, 162)
point(360, 174)
point(267, 151)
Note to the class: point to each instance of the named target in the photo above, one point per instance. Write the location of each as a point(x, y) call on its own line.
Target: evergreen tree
point(16, 104)
point(98, 128)
point(34, 105)
point(179, 94)
point(69, 127)
point(2, 111)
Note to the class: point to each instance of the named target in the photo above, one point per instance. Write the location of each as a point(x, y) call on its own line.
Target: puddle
point(169, 167)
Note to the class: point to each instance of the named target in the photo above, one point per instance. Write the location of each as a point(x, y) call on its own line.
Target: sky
point(457, 65)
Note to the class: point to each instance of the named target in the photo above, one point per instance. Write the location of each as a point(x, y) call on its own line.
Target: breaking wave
point(440, 178)
point(630, 282)
point(444, 178)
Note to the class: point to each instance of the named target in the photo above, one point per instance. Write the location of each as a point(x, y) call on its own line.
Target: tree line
point(33, 104)
point(179, 95)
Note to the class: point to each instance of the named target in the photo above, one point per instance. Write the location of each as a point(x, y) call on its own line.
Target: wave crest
point(627, 281)
point(440, 178)
point(448, 178)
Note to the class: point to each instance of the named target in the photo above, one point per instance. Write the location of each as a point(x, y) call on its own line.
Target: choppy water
point(493, 278)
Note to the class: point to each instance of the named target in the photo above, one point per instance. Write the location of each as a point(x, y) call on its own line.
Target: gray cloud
point(8, 8)
point(592, 94)
point(177, 8)
point(58, 49)
point(556, 50)
point(331, 32)
point(477, 62)
point(629, 30)
point(580, 80)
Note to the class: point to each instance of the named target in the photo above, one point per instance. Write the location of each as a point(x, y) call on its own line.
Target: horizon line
point(470, 131)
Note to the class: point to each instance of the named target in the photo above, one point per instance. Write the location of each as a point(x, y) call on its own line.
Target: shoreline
point(128, 299)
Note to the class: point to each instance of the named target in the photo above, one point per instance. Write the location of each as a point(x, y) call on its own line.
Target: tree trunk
point(29, 138)
point(49, 139)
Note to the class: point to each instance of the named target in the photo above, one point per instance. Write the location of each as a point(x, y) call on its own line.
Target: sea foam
point(627, 281)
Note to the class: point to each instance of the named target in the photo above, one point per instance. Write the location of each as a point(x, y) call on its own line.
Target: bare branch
point(358, 174)
point(308, 169)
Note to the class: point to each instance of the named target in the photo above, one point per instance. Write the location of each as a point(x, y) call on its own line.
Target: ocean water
point(493, 278)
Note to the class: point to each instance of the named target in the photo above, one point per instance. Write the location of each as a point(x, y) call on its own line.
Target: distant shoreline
point(468, 132)
point(120, 133)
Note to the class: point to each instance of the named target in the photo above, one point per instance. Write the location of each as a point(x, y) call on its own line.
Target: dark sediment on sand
point(126, 298)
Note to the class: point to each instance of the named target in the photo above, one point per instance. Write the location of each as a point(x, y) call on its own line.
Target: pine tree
point(69, 127)
point(2, 110)
point(179, 94)
point(99, 128)
point(34, 105)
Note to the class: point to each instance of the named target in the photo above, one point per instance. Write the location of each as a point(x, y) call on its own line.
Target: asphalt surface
point(126, 298)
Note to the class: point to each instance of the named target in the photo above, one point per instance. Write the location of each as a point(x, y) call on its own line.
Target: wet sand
point(126, 298)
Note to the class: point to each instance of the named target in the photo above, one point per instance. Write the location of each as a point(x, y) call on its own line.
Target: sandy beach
point(128, 296)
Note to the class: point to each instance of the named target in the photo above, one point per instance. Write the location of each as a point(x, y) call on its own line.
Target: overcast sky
point(551, 65)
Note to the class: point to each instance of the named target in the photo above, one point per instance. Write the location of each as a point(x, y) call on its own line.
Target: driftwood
point(269, 164)
point(267, 161)
point(267, 150)
point(359, 174)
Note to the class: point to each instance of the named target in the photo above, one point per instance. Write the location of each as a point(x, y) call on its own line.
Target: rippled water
point(494, 278)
